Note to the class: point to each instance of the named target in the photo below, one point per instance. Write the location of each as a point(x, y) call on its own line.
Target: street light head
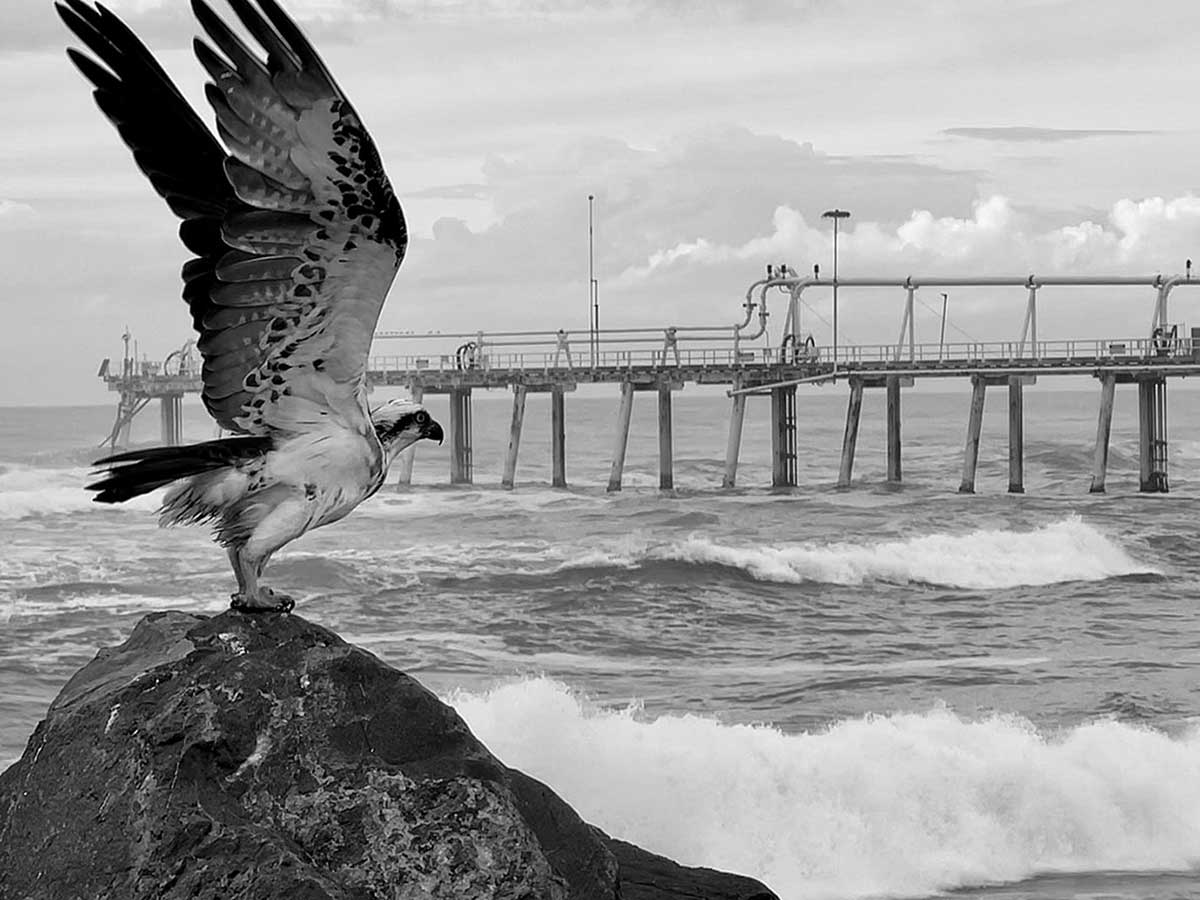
point(836, 214)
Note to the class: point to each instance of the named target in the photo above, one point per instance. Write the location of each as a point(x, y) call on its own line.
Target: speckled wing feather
point(297, 232)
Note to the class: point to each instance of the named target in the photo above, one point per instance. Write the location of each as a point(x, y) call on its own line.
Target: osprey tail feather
point(139, 472)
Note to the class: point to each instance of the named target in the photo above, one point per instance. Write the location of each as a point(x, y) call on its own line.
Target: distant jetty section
point(752, 360)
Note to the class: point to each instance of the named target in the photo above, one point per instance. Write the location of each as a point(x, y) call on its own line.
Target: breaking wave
point(1069, 550)
point(901, 805)
point(27, 491)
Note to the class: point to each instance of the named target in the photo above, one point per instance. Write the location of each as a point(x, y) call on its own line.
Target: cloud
point(451, 192)
point(1143, 236)
point(530, 260)
point(1030, 134)
point(12, 209)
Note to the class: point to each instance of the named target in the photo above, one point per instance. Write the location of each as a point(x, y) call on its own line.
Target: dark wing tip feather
point(279, 55)
point(287, 27)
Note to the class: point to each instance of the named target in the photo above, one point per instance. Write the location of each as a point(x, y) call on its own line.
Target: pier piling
point(974, 429)
point(893, 428)
point(460, 436)
point(783, 436)
point(666, 459)
point(737, 417)
point(514, 436)
point(171, 407)
point(1016, 435)
point(1152, 443)
point(624, 414)
point(850, 436)
point(558, 437)
point(1108, 390)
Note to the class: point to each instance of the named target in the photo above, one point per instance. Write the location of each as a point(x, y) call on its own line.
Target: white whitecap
point(895, 805)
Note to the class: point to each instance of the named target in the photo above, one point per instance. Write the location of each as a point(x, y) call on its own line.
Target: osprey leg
point(250, 597)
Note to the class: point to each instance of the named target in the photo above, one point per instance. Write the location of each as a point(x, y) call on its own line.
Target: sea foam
point(27, 491)
point(1068, 550)
point(900, 805)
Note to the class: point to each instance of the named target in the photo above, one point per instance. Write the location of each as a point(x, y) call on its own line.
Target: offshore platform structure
point(139, 382)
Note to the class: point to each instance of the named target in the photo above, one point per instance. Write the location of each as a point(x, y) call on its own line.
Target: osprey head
point(401, 423)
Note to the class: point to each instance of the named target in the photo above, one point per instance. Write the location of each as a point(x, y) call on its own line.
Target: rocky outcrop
point(264, 757)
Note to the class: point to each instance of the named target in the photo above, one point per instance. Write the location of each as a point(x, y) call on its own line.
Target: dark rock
point(264, 757)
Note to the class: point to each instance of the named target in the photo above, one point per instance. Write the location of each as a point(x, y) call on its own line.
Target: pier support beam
point(974, 428)
point(893, 422)
point(1016, 435)
point(1152, 432)
point(558, 438)
point(850, 437)
point(783, 436)
point(514, 436)
point(1108, 390)
point(404, 462)
point(624, 414)
point(171, 407)
point(666, 456)
point(460, 436)
point(737, 416)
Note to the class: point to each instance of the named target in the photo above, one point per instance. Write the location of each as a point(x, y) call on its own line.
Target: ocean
point(874, 692)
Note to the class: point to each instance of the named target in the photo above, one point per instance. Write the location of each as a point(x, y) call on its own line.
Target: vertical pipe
point(942, 333)
point(1016, 435)
point(558, 437)
point(666, 470)
point(1108, 390)
point(737, 417)
point(912, 330)
point(1152, 446)
point(624, 413)
point(974, 427)
point(893, 429)
point(1160, 443)
point(850, 436)
point(789, 399)
point(409, 455)
point(835, 295)
point(514, 436)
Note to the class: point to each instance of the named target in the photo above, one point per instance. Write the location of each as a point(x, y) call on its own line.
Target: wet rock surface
point(263, 756)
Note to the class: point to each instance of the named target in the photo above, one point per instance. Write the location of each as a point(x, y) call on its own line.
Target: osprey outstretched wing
point(297, 237)
point(296, 230)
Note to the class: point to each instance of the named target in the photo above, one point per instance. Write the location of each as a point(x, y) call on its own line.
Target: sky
point(966, 137)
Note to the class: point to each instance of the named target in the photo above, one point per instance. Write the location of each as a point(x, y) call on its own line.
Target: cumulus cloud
point(1143, 236)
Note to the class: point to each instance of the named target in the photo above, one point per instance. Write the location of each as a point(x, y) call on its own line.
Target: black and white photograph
point(599, 450)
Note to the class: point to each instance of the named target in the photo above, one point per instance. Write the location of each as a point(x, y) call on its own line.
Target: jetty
point(752, 359)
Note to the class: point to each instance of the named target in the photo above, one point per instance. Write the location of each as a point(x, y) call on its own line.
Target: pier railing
point(542, 356)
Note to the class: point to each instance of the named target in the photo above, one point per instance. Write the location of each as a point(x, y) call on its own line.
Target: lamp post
point(942, 337)
point(593, 293)
point(836, 215)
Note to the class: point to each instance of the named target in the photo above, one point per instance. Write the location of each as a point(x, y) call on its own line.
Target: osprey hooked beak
point(433, 432)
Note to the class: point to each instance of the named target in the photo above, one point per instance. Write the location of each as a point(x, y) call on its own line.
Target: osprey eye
point(422, 418)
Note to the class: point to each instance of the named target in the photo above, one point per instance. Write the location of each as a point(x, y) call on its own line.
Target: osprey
point(297, 236)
